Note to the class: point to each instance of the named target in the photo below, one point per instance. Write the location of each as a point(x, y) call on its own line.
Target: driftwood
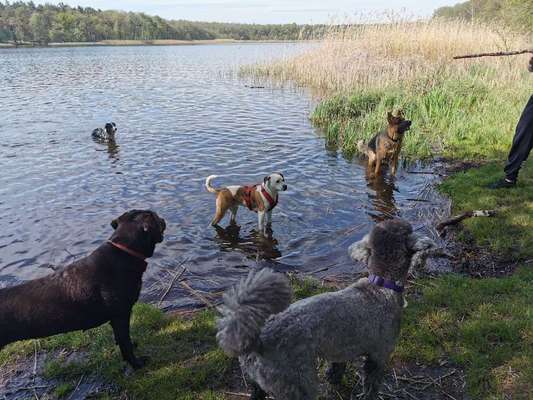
point(197, 294)
point(176, 277)
point(497, 54)
point(468, 214)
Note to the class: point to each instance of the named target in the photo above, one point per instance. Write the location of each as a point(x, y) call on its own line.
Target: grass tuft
point(510, 232)
point(483, 325)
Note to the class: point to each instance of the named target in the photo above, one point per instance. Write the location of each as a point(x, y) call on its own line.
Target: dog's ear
point(416, 243)
point(280, 174)
point(360, 251)
point(126, 215)
point(399, 114)
point(390, 118)
point(266, 179)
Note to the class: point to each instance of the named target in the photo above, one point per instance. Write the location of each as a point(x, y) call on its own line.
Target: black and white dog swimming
point(107, 133)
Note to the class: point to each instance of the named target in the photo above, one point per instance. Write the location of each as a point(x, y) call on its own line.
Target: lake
point(182, 114)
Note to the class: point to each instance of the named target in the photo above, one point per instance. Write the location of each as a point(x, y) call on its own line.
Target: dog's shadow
point(255, 245)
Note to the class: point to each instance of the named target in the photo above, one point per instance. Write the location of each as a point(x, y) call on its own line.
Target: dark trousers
point(522, 142)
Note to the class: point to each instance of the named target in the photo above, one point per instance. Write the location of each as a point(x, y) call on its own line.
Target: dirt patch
point(410, 382)
point(474, 260)
point(24, 378)
point(447, 167)
point(403, 381)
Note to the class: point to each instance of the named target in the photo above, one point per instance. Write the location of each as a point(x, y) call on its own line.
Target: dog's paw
point(334, 373)
point(139, 362)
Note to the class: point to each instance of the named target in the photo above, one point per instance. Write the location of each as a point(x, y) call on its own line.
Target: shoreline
point(158, 42)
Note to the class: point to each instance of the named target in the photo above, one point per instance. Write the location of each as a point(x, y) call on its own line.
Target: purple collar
point(379, 281)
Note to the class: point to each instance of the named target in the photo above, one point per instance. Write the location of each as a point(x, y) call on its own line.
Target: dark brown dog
point(386, 145)
point(99, 288)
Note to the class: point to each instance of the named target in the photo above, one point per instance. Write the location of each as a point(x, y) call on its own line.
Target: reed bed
point(464, 108)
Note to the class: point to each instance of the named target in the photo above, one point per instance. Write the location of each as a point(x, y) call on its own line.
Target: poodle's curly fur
point(279, 345)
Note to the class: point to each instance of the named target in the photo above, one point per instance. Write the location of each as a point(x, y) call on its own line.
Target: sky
point(267, 11)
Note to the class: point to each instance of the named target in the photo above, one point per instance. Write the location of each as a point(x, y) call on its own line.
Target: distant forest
point(26, 22)
point(517, 14)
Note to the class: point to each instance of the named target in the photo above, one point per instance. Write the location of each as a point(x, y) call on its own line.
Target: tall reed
point(363, 70)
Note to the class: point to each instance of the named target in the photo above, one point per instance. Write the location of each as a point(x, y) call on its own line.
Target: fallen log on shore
point(468, 214)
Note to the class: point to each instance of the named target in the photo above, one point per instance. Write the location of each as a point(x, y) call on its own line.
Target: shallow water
point(181, 117)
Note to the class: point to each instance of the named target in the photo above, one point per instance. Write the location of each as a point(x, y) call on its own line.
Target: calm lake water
point(181, 115)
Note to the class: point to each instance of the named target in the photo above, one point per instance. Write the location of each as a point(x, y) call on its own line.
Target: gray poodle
point(279, 344)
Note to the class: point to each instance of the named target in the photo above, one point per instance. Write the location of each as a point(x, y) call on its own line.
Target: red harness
point(249, 199)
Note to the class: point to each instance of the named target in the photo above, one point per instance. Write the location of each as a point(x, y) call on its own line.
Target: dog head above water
point(110, 128)
point(275, 182)
point(140, 230)
point(390, 255)
point(391, 249)
point(398, 125)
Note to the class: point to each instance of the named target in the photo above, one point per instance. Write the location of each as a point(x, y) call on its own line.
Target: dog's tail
point(362, 147)
point(246, 308)
point(208, 184)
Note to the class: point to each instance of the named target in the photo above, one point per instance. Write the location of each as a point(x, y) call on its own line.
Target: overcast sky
point(264, 11)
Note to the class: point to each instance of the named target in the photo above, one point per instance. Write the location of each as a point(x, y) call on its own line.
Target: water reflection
point(111, 147)
point(255, 245)
point(382, 189)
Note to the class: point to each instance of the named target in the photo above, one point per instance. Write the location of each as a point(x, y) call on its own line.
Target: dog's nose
point(284, 187)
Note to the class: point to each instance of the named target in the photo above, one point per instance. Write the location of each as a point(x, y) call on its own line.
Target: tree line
point(26, 22)
point(517, 14)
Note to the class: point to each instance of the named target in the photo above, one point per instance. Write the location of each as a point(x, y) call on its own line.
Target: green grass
point(485, 326)
point(459, 118)
point(510, 232)
point(185, 361)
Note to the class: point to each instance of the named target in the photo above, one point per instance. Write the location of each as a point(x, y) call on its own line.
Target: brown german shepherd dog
point(386, 145)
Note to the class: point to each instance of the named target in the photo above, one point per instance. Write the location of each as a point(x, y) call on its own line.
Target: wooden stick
point(468, 214)
point(176, 277)
point(497, 54)
point(195, 293)
point(240, 394)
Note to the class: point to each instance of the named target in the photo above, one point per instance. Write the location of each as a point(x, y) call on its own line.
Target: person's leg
point(522, 142)
point(521, 147)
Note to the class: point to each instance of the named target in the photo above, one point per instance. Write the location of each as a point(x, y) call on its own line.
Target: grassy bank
point(461, 118)
point(510, 232)
point(464, 109)
point(483, 326)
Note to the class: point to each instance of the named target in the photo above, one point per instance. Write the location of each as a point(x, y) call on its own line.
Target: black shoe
point(502, 184)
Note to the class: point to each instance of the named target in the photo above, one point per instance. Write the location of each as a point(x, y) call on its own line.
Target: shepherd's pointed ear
point(266, 179)
point(114, 223)
point(390, 117)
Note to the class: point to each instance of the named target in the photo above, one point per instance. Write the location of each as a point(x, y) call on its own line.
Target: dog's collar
point(386, 283)
point(273, 202)
point(394, 140)
point(129, 251)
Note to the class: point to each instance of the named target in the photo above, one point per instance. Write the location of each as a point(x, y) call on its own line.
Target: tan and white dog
point(261, 198)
